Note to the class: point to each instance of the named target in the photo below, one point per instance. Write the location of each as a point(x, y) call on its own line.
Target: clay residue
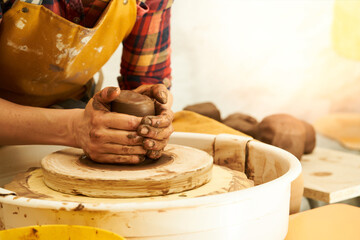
point(325, 159)
point(21, 187)
point(79, 207)
point(23, 48)
point(249, 169)
point(7, 194)
point(321, 174)
point(2, 225)
point(66, 53)
point(55, 68)
point(165, 159)
point(21, 23)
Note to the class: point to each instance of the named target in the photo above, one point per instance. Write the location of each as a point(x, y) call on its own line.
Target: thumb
point(103, 98)
point(108, 94)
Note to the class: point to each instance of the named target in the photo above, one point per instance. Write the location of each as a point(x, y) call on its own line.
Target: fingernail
point(141, 158)
point(144, 130)
point(110, 91)
point(146, 120)
point(135, 138)
point(156, 154)
point(163, 96)
point(157, 123)
point(150, 143)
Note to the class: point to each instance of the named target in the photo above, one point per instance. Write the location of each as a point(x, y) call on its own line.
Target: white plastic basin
point(260, 212)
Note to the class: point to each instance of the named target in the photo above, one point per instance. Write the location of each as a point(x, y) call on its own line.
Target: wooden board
point(31, 185)
point(331, 176)
point(179, 169)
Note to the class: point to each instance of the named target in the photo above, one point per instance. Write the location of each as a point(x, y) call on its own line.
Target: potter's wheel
point(179, 169)
point(185, 172)
point(206, 212)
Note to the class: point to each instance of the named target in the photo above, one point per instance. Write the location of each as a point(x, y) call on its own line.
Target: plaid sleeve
point(146, 51)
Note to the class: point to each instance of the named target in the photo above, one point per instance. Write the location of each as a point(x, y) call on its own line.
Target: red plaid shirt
point(146, 51)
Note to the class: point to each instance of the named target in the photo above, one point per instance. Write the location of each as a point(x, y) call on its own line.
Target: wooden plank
point(331, 176)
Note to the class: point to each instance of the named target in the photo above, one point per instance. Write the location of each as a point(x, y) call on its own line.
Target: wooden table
point(331, 222)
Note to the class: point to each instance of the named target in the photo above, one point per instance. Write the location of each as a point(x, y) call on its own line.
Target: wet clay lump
point(133, 103)
point(207, 109)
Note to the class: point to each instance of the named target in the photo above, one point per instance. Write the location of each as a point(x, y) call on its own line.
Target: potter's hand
point(108, 137)
point(156, 129)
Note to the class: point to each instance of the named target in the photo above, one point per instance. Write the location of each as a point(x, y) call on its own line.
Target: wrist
point(73, 127)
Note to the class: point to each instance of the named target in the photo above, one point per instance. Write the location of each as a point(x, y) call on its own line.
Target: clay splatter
point(85, 40)
point(21, 23)
point(23, 48)
point(99, 49)
point(322, 174)
point(79, 207)
point(65, 50)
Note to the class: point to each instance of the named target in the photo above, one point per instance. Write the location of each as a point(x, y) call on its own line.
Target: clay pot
point(283, 131)
point(243, 123)
point(207, 109)
point(133, 103)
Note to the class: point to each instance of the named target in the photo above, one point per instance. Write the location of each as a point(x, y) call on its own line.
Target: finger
point(119, 159)
point(111, 148)
point(158, 92)
point(155, 133)
point(160, 121)
point(160, 108)
point(154, 154)
point(116, 137)
point(151, 144)
point(102, 99)
point(121, 121)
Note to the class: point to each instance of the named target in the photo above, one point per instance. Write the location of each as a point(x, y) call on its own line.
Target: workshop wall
point(258, 57)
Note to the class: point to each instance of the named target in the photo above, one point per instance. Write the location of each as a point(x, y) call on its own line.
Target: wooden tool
point(179, 169)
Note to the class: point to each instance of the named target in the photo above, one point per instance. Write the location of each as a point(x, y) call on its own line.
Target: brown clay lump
point(283, 131)
point(207, 109)
point(310, 140)
point(243, 123)
point(133, 103)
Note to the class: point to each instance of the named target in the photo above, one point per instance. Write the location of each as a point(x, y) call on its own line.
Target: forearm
point(32, 125)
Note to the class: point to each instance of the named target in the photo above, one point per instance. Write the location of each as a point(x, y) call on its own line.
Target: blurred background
point(262, 57)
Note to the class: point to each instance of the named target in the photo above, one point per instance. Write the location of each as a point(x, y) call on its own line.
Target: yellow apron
point(45, 58)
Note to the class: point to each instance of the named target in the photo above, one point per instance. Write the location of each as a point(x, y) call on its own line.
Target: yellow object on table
point(58, 232)
point(187, 121)
point(346, 29)
point(331, 222)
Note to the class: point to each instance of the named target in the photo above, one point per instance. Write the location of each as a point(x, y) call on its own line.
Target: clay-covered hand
point(156, 129)
point(105, 136)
